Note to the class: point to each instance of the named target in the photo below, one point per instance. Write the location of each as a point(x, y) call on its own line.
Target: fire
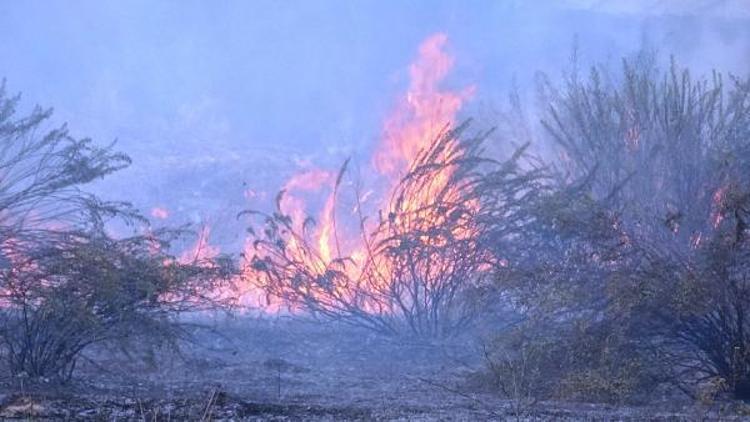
point(327, 230)
point(423, 112)
point(421, 115)
point(160, 213)
point(294, 205)
point(717, 212)
point(311, 181)
point(201, 250)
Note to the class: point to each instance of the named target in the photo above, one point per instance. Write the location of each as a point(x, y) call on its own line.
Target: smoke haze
point(219, 103)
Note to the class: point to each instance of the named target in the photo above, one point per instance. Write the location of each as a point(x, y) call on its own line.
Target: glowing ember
point(201, 250)
point(717, 212)
point(159, 213)
point(423, 112)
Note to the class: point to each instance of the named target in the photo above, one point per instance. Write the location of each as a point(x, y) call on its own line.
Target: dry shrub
point(640, 262)
point(65, 283)
point(555, 362)
point(426, 255)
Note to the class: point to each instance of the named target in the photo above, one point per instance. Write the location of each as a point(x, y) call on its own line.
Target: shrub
point(425, 256)
point(78, 290)
point(64, 283)
point(663, 157)
point(642, 243)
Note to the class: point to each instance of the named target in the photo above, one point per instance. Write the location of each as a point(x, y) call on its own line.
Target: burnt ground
point(260, 369)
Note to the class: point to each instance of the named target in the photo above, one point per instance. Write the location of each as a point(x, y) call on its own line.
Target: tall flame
point(418, 118)
point(423, 112)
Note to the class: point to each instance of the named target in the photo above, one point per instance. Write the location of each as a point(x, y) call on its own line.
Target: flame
point(160, 213)
point(325, 239)
point(419, 117)
point(423, 112)
point(202, 250)
point(717, 212)
point(311, 181)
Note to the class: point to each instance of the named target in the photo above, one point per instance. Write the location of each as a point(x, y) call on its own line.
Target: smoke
point(215, 99)
point(706, 8)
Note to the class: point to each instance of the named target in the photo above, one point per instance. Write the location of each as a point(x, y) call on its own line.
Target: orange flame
point(423, 112)
point(418, 118)
point(202, 250)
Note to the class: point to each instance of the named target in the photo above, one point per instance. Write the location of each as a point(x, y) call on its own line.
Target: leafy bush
point(580, 361)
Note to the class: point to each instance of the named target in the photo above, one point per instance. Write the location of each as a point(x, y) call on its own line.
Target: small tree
point(699, 314)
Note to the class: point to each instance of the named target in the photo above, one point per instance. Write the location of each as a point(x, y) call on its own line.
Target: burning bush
point(65, 284)
point(425, 257)
point(419, 267)
point(649, 250)
point(75, 290)
point(700, 309)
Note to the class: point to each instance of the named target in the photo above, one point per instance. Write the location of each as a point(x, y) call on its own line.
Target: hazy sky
point(182, 82)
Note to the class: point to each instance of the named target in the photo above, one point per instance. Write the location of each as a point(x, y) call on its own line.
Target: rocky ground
point(289, 370)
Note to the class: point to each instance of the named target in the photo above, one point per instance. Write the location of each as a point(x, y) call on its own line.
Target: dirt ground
point(282, 370)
